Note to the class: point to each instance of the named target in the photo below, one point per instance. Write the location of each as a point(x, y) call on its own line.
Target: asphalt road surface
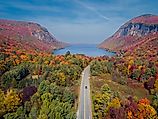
point(84, 108)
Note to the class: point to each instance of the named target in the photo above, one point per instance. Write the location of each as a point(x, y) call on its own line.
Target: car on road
point(85, 87)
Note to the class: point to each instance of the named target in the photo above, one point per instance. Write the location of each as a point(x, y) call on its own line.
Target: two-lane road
point(84, 108)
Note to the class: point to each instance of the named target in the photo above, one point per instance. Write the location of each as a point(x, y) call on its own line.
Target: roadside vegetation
point(39, 85)
point(126, 86)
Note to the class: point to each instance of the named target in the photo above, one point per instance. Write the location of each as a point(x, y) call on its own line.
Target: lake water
point(87, 49)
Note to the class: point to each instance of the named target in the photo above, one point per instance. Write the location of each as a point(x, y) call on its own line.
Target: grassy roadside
point(124, 91)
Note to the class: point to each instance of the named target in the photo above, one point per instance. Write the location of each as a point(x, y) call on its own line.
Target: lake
point(87, 49)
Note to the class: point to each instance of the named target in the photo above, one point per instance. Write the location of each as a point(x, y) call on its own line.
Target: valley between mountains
point(36, 84)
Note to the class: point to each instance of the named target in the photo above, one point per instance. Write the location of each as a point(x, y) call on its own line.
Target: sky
point(78, 21)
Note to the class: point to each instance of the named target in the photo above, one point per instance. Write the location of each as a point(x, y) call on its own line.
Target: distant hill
point(132, 34)
point(28, 35)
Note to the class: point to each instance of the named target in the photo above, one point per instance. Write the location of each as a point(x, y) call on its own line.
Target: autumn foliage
point(137, 67)
point(35, 82)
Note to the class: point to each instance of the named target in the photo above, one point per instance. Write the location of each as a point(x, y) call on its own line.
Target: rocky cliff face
point(132, 33)
point(33, 34)
point(138, 29)
point(43, 34)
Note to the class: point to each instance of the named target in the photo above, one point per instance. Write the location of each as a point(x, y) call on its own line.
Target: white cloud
point(94, 10)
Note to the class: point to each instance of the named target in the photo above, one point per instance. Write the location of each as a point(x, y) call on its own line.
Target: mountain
point(28, 35)
point(135, 32)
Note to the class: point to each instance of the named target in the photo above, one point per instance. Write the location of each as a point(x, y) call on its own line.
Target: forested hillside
point(126, 86)
point(28, 35)
point(133, 33)
point(38, 85)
